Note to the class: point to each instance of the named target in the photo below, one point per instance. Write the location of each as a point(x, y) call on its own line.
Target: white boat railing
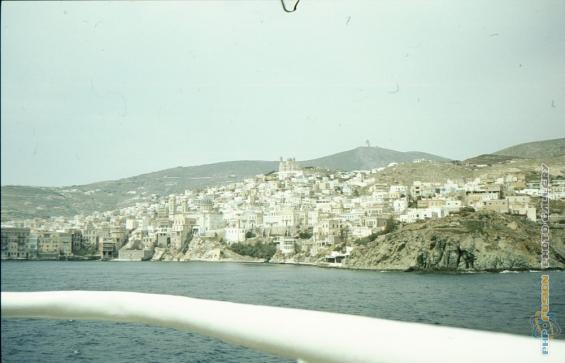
point(309, 336)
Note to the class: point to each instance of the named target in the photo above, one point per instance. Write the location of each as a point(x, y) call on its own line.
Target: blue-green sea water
point(501, 302)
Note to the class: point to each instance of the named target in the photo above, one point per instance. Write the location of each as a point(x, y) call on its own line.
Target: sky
point(96, 91)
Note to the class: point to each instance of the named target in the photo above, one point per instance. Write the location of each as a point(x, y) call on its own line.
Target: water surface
point(498, 302)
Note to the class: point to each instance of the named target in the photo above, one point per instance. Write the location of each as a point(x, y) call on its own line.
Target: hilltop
point(536, 150)
point(363, 158)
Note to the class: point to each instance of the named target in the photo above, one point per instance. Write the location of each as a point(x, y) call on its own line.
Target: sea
point(502, 302)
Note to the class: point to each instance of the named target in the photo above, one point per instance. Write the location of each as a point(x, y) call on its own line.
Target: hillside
point(20, 202)
point(489, 159)
point(475, 241)
point(536, 150)
point(432, 171)
point(363, 158)
point(28, 202)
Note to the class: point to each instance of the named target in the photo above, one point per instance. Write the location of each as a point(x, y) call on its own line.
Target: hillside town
point(294, 209)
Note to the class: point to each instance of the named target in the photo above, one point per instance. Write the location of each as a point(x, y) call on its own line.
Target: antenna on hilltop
point(368, 143)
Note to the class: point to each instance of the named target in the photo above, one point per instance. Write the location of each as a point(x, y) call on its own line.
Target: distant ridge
point(366, 157)
point(536, 150)
point(28, 202)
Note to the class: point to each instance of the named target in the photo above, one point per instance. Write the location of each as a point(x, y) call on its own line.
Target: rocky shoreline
point(474, 241)
point(309, 264)
point(460, 243)
point(466, 242)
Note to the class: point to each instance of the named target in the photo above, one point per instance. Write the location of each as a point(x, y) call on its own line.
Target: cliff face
point(481, 241)
point(204, 249)
point(299, 258)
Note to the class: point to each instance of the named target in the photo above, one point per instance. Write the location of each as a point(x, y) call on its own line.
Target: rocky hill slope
point(203, 249)
point(472, 241)
point(28, 202)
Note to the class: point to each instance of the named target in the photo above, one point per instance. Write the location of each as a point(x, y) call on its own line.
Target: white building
point(180, 230)
point(286, 245)
point(289, 169)
point(400, 205)
point(360, 231)
point(235, 234)
point(208, 222)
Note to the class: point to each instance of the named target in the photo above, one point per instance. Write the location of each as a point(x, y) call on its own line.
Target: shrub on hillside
point(257, 250)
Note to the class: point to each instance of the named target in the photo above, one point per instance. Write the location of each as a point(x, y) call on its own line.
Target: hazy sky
point(99, 90)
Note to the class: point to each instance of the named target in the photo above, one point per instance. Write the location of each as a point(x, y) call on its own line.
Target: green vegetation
point(466, 210)
point(556, 207)
point(473, 225)
point(86, 250)
point(257, 250)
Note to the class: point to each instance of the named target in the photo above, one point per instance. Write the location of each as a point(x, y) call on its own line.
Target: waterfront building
point(182, 227)
point(235, 234)
point(32, 243)
point(52, 245)
point(134, 254)
point(108, 249)
point(286, 245)
point(14, 243)
point(163, 230)
point(76, 240)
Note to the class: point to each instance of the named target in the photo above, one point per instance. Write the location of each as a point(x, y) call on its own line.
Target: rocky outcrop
point(470, 241)
point(205, 249)
point(158, 254)
point(299, 258)
point(475, 241)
